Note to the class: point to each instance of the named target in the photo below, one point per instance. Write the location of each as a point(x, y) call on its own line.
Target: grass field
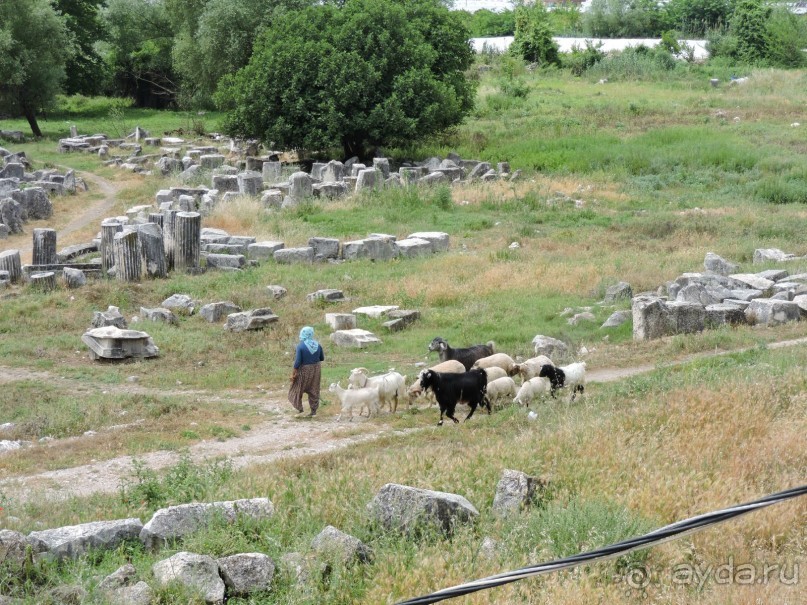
point(631, 180)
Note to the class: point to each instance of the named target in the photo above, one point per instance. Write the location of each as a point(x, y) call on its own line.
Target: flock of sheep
point(473, 375)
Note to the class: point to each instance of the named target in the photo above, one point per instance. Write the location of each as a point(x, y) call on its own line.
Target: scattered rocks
point(215, 312)
point(111, 317)
point(415, 511)
point(341, 321)
point(551, 347)
point(159, 314)
point(375, 311)
point(75, 540)
point(327, 295)
point(246, 573)
point(255, 319)
point(276, 292)
point(514, 492)
point(197, 572)
point(616, 319)
point(180, 303)
point(337, 546)
point(617, 292)
point(354, 338)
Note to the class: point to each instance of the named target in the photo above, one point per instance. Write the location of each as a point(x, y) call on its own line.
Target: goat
point(450, 389)
point(391, 386)
point(351, 398)
point(530, 368)
point(498, 360)
point(530, 389)
point(466, 356)
point(449, 367)
point(572, 375)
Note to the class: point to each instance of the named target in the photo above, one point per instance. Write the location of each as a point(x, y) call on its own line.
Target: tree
point(698, 17)
point(34, 47)
point(86, 71)
point(533, 38)
point(749, 26)
point(358, 74)
point(139, 51)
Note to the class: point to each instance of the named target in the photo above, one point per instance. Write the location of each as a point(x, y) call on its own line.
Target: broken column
point(10, 261)
point(128, 265)
point(187, 242)
point(44, 247)
point(44, 281)
point(156, 218)
point(152, 249)
point(169, 232)
point(109, 227)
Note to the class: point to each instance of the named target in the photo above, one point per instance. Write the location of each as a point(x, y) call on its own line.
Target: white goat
point(452, 366)
point(494, 373)
point(350, 398)
point(499, 360)
point(572, 376)
point(530, 368)
point(530, 389)
point(501, 387)
point(391, 386)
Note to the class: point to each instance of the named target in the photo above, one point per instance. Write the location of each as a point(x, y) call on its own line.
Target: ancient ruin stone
point(769, 255)
point(551, 347)
point(617, 292)
point(719, 265)
point(264, 250)
point(337, 546)
point(375, 311)
point(754, 281)
point(324, 247)
point(651, 319)
point(616, 319)
point(75, 540)
point(276, 292)
point(514, 492)
point(354, 338)
point(401, 319)
point(113, 343)
point(340, 321)
point(771, 312)
point(411, 510)
point(197, 572)
point(14, 548)
point(724, 314)
point(328, 295)
point(413, 246)
point(288, 256)
point(246, 573)
point(226, 261)
point(123, 576)
point(181, 304)
point(215, 312)
point(371, 248)
point(11, 215)
point(256, 319)
point(111, 317)
point(159, 314)
point(439, 240)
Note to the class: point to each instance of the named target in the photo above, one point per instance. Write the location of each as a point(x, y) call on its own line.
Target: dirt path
point(280, 438)
point(92, 214)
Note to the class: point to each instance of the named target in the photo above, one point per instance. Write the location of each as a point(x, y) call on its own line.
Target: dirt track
point(282, 437)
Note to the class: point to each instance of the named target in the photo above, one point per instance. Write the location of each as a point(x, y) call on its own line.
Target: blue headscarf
point(307, 336)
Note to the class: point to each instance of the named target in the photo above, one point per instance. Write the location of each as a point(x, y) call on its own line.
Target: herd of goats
point(473, 375)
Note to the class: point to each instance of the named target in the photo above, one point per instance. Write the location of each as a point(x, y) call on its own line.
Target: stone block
point(256, 319)
point(719, 265)
point(772, 312)
point(439, 240)
point(375, 311)
point(651, 319)
point(341, 321)
point(114, 343)
point(324, 247)
point(159, 314)
point(276, 292)
point(515, 491)
point(211, 161)
point(551, 347)
point(328, 295)
point(686, 317)
point(264, 250)
point(754, 281)
point(215, 312)
point(72, 541)
point(338, 547)
point(225, 261)
point(198, 573)
point(354, 338)
point(246, 573)
point(617, 292)
point(288, 256)
point(400, 319)
point(370, 248)
point(724, 314)
point(225, 182)
point(249, 183)
point(414, 246)
point(771, 255)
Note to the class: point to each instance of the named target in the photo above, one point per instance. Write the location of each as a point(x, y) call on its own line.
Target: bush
point(786, 39)
point(580, 60)
point(533, 38)
point(635, 63)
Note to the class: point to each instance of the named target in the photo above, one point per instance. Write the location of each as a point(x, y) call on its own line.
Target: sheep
point(447, 367)
point(391, 386)
point(450, 389)
point(350, 398)
point(501, 387)
point(572, 375)
point(466, 356)
point(494, 372)
point(497, 360)
point(530, 368)
point(530, 389)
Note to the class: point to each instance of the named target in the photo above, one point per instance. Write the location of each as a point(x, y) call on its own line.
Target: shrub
point(533, 37)
point(580, 60)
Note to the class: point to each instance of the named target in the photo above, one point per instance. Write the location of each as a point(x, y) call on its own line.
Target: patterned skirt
point(307, 381)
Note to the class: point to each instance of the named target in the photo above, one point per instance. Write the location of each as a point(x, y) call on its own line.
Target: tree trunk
point(31, 117)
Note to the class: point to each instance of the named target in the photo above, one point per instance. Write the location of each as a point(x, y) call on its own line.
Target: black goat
point(451, 389)
point(466, 356)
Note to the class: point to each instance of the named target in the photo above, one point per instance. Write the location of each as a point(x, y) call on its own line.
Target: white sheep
point(452, 366)
point(352, 398)
point(572, 376)
point(494, 373)
point(499, 360)
point(530, 389)
point(530, 368)
point(501, 387)
point(391, 386)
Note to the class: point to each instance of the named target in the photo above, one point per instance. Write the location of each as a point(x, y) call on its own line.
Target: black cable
point(663, 534)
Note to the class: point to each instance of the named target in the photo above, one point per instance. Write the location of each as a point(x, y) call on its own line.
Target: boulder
point(771, 255)
point(354, 338)
point(616, 319)
point(215, 312)
point(246, 573)
point(337, 546)
point(514, 492)
point(289, 256)
point(580, 317)
point(14, 548)
point(181, 303)
point(111, 317)
point(255, 319)
point(11, 215)
point(196, 572)
point(34, 203)
point(123, 576)
point(276, 292)
point(696, 293)
point(414, 511)
point(159, 314)
point(617, 292)
point(478, 170)
point(771, 312)
point(176, 522)
point(139, 594)
point(340, 321)
point(328, 295)
point(75, 540)
point(718, 264)
point(551, 347)
point(4, 231)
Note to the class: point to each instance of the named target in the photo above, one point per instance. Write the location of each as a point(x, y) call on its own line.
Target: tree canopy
point(34, 48)
point(357, 74)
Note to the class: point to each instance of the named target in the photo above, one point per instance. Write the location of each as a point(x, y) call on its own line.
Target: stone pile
point(719, 296)
point(403, 509)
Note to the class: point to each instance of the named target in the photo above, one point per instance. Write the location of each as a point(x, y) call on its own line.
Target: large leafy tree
point(355, 74)
point(34, 47)
point(533, 37)
point(86, 70)
point(140, 39)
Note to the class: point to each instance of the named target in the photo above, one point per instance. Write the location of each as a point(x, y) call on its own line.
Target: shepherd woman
point(305, 378)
